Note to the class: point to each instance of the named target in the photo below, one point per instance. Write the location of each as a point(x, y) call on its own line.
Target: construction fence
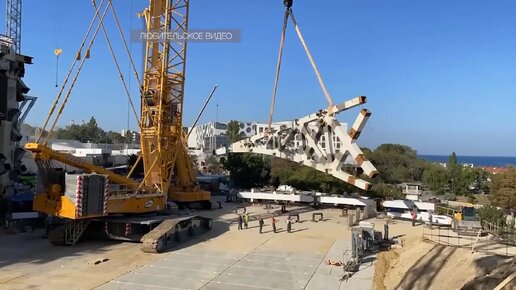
point(481, 242)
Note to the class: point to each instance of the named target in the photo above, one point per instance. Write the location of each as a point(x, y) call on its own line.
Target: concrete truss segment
point(324, 143)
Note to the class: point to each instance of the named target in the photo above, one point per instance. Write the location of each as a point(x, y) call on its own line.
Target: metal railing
point(502, 232)
point(481, 242)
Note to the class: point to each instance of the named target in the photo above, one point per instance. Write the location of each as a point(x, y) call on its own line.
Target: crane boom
point(162, 137)
point(42, 153)
point(13, 22)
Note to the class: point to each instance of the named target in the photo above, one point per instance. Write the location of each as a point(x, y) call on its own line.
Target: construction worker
point(459, 216)
point(414, 216)
point(240, 221)
point(273, 222)
point(260, 222)
point(246, 220)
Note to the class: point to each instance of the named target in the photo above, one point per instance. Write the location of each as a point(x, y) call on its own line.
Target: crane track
point(56, 236)
point(171, 232)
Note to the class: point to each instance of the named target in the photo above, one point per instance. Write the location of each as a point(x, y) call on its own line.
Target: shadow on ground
point(424, 271)
point(32, 248)
point(492, 271)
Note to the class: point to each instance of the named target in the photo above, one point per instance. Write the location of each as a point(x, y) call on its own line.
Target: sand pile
point(423, 265)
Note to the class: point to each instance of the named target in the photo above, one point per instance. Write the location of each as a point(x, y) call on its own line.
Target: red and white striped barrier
point(78, 196)
point(106, 193)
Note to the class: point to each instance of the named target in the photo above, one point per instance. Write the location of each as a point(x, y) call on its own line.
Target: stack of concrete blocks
point(369, 211)
point(12, 92)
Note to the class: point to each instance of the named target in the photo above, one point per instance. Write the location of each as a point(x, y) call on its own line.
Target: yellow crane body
point(129, 209)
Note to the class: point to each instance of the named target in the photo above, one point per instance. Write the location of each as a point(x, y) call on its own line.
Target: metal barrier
point(243, 208)
point(317, 214)
point(296, 215)
point(504, 233)
point(476, 243)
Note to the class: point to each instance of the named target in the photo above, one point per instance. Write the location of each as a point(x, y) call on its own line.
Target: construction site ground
point(438, 258)
point(225, 258)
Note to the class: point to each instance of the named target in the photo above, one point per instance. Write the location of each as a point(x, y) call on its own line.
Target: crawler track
point(171, 232)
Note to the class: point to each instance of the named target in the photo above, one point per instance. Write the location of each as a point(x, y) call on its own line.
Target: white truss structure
point(312, 151)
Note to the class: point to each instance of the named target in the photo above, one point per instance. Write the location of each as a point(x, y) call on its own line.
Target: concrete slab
point(162, 281)
point(179, 273)
point(252, 262)
point(220, 286)
point(113, 285)
point(330, 275)
point(277, 282)
point(284, 267)
point(267, 273)
point(191, 265)
point(296, 260)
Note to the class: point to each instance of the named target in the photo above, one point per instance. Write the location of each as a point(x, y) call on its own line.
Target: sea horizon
point(477, 161)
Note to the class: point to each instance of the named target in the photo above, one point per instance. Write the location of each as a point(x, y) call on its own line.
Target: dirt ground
point(28, 261)
point(426, 265)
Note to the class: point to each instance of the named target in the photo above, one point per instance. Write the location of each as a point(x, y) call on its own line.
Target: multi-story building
point(213, 135)
point(134, 136)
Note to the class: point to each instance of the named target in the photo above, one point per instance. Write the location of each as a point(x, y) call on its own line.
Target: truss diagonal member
point(354, 150)
point(350, 104)
point(359, 124)
point(319, 141)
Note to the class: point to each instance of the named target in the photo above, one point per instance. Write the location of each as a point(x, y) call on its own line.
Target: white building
point(213, 135)
point(412, 191)
point(134, 135)
point(107, 155)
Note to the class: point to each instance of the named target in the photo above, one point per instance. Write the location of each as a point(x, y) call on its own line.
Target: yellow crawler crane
point(118, 206)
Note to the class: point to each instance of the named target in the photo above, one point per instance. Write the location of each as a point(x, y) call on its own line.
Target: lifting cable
point(74, 80)
point(126, 47)
point(110, 47)
point(278, 67)
point(289, 12)
point(56, 101)
point(316, 70)
point(101, 24)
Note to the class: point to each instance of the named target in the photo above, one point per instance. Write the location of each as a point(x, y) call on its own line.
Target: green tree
point(396, 163)
point(454, 173)
point(482, 181)
point(89, 132)
point(233, 132)
point(247, 170)
point(386, 190)
point(306, 178)
point(436, 178)
point(213, 164)
point(504, 189)
point(492, 214)
point(114, 137)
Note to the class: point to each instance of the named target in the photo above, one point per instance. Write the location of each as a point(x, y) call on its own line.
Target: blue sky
point(439, 75)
